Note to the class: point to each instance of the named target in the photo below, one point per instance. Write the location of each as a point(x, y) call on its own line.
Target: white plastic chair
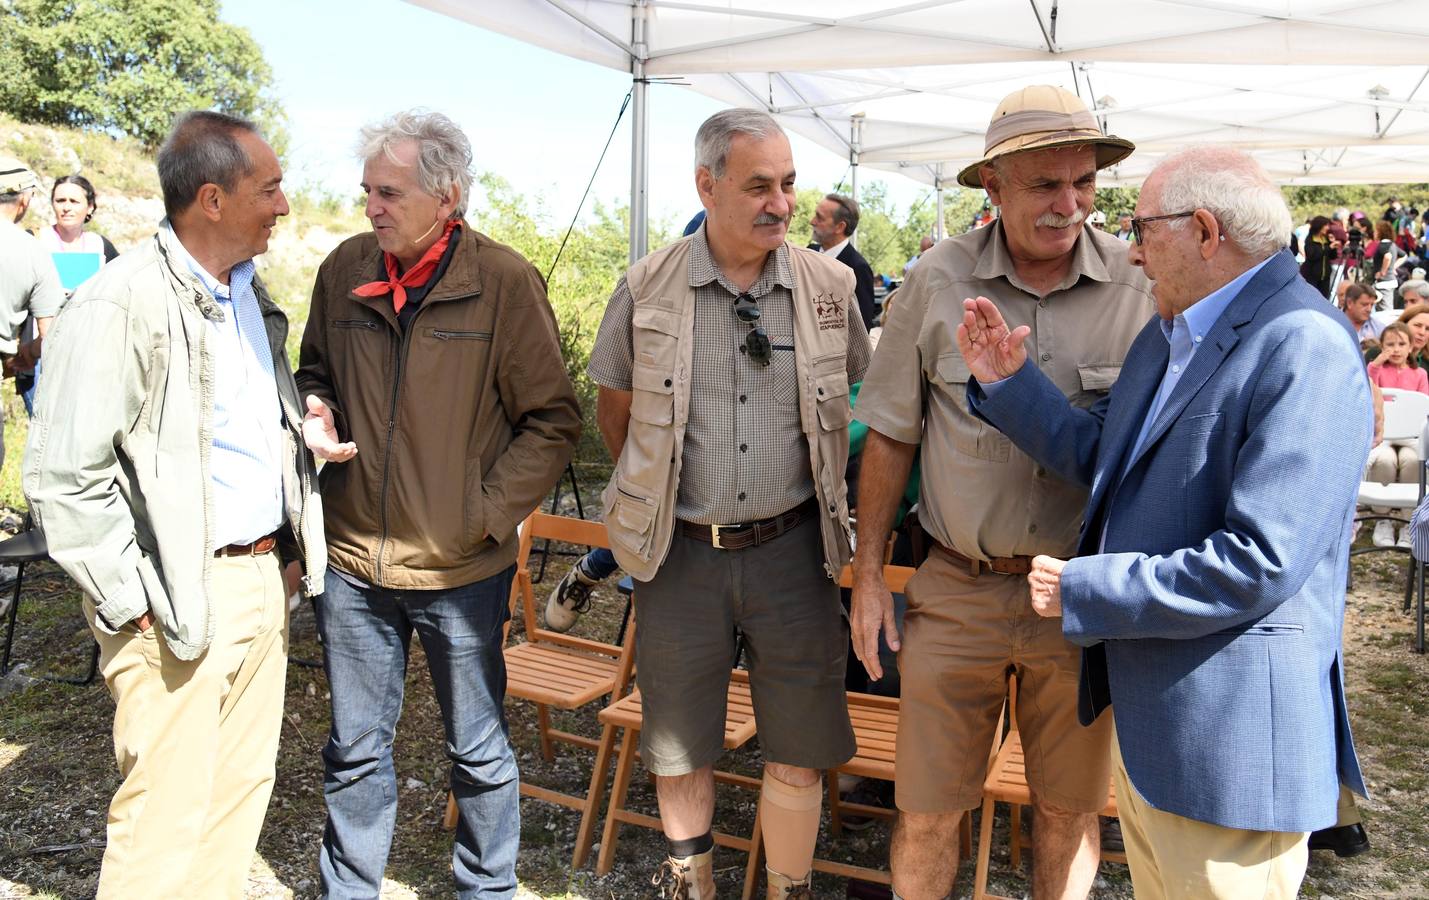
point(1406, 418)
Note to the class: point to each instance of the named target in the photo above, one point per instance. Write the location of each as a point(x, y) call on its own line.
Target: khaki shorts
point(796, 641)
point(962, 637)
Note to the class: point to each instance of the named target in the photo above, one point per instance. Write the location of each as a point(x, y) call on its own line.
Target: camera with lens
point(1355, 236)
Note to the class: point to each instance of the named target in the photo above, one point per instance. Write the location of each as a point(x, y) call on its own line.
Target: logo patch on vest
point(829, 310)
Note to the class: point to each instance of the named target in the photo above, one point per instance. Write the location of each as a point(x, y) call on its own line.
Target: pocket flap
point(952, 369)
point(655, 319)
point(1099, 377)
point(632, 513)
point(645, 377)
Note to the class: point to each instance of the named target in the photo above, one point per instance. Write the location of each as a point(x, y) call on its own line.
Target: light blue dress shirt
point(245, 465)
point(1185, 333)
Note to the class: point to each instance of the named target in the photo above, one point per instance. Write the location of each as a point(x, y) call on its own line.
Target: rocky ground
point(57, 772)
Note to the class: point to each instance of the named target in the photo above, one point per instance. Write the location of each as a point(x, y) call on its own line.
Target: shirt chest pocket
point(1093, 381)
point(971, 435)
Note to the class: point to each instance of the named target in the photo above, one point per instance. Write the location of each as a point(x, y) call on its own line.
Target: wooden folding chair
point(875, 730)
point(1007, 782)
point(626, 714)
point(551, 669)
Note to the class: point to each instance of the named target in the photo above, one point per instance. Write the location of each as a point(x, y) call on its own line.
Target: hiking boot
point(782, 887)
point(685, 877)
point(868, 792)
point(570, 598)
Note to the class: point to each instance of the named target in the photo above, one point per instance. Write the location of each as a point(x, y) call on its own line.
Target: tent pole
point(938, 228)
point(639, 137)
point(855, 144)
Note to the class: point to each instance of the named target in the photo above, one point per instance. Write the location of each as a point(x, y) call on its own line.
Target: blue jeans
point(599, 563)
point(25, 383)
point(366, 632)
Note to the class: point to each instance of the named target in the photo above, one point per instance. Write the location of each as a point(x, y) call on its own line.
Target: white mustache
point(770, 219)
point(1053, 220)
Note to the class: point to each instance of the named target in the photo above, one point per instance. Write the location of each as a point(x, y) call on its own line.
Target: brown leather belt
point(749, 534)
point(257, 548)
point(1002, 565)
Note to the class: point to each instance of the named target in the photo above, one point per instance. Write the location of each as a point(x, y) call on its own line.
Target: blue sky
point(533, 116)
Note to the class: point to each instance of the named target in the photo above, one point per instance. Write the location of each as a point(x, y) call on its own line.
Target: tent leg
point(639, 138)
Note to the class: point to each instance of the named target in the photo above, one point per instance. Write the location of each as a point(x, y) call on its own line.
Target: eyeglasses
point(756, 342)
point(1136, 223)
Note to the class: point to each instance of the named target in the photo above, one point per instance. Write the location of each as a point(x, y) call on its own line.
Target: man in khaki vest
point(989, 508)
point(724, 362)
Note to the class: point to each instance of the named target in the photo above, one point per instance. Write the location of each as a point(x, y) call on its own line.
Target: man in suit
point(1208, 590)
point(834, 222)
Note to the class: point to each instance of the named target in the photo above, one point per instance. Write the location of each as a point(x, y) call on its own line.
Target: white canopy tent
point(1320, 91)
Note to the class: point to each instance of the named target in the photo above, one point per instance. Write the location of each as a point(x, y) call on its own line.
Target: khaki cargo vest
point(640, 498)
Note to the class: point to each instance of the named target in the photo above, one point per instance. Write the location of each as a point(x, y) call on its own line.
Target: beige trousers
point(196, 741)
point(1175, 858)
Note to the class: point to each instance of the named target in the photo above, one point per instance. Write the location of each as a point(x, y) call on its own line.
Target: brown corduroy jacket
point(462, 423)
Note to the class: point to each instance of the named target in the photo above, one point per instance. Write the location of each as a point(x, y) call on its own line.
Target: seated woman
point(1416, 317)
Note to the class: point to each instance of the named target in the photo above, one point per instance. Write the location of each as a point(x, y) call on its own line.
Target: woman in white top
point(73, 201)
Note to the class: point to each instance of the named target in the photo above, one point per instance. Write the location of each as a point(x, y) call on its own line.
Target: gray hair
point(1419, 286)
point(13, 197)
point(1231, 186)
point(202, 148)
point(845, 211)
point(443, 152)
point(717, 133)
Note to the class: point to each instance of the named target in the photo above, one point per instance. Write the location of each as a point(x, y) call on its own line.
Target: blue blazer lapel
point(1131, 397)
point(1218, 345)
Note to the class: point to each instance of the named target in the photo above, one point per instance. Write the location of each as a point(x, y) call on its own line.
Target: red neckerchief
point(413, 277)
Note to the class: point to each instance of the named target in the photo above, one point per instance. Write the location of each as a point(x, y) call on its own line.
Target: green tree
point(129, 65)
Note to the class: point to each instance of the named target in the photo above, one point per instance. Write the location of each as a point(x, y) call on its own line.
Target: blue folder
point(76, 268)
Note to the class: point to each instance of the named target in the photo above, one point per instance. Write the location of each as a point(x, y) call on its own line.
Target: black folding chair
point(22, 549)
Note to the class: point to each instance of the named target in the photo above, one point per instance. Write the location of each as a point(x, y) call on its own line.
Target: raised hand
point(320, 434)
point(991, 351)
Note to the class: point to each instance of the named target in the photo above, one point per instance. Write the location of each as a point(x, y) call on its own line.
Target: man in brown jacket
point(437, 395)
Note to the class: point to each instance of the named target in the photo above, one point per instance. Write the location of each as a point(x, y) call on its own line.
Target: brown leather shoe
point(685, 877)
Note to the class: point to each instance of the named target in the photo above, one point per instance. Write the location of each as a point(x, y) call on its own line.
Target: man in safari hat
point(991, 508)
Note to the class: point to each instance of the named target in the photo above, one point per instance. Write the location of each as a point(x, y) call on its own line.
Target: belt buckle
point(714, 537)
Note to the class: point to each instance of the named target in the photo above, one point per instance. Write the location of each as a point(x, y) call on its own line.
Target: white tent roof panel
point(1278, 77)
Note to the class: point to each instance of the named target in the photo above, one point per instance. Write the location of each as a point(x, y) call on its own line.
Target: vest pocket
point(629, 518)
point(831, 398)
point(653, 395)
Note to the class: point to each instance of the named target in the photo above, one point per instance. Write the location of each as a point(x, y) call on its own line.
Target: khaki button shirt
point(745, 456)
point(981, 495)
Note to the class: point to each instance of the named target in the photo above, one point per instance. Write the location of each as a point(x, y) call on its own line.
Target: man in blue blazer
point(1208, 590)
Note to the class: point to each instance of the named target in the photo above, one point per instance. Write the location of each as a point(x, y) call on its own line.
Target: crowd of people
point(1102, 512)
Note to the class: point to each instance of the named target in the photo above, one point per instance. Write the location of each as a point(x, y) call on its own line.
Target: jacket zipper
point(387, 447)
point(355, 323)
point(462, 335)
point(403, 343)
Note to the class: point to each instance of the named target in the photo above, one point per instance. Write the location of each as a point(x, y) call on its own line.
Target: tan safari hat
point(1040, 117)
point(15, 176)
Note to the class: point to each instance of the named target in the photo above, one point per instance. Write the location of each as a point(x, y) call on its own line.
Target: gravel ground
point(57, 773)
